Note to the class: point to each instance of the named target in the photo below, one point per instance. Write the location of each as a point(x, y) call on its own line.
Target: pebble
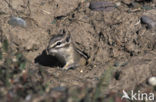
point(16, 21)
point(149, 21)
point(101, 6)
point(152, 81)
point(81, 71)
point(60, 88)
point(28, 97)
point(116, 64)
point(149, 18)
point(126, 1)
point(14, 59)
point(118, 4)
point(24, 71)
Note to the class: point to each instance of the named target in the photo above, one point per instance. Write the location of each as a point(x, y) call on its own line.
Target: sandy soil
point(112, 39)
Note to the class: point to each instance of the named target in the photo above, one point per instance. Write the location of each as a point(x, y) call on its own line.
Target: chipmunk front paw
point(70, 66)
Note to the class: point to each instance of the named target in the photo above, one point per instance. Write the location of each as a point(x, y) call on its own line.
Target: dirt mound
point(112, 39)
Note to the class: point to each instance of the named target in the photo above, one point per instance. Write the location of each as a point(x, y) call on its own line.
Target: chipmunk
point(62, 47)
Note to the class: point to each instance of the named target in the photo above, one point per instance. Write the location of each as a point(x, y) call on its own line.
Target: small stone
point(16, 21)
point(28, 98)
point(126, 1)
point(101, 6)
point(147, 20)
point(81, 71)
point(24, 71)
point(60, 88)
point(14, 59)
point(118, 4)
point(116, 64)
point(152, 81)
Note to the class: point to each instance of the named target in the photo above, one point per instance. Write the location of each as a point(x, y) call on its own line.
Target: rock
point(144, 0)
point(60, 88)
point(152, 81)
point(16, 21)
point(101, 5)
point(118, 4)
point(126, 1)
point(28, 97)
point(149, 21)
point(149, 18)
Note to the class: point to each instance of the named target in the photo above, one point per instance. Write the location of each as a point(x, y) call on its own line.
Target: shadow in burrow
point(48, 60)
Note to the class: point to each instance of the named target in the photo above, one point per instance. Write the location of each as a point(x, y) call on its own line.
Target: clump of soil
point(116, 42)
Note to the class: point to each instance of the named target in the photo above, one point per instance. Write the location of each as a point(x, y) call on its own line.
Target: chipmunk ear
point(68, 37)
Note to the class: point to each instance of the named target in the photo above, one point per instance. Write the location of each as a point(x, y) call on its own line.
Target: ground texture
point(121, 50)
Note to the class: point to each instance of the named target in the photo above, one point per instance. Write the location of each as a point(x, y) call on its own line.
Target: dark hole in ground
point(117, 75)
point(48, 60)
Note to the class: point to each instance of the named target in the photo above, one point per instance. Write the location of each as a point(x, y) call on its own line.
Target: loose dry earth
point(114, 40)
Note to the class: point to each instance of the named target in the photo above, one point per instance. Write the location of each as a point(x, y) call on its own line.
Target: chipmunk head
point(59, 44)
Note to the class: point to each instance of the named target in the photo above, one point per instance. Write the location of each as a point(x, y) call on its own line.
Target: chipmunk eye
point(58, 43)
